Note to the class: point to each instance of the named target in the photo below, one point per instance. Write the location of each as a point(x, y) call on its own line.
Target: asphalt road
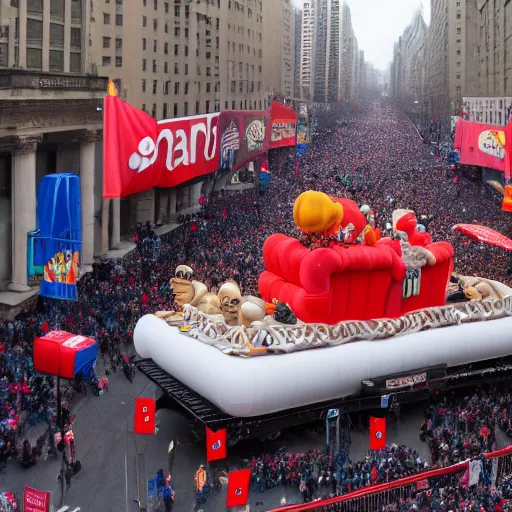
point(112, 456)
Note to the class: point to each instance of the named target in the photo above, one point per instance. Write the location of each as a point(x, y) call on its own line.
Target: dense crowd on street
point(373, 156)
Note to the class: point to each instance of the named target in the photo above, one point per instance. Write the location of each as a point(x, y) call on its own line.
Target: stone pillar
point(23, 208)
point(67, 35)
point(22, 52)
point(173, 199)
point(116, 223)
point(46, 36)
point(87, 159)
point(105, 214)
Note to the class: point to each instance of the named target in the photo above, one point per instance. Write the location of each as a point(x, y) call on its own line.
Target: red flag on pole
point(238, 488)
point(35, 501)
point(145, 416)
point(377, 433)
point(216, 444)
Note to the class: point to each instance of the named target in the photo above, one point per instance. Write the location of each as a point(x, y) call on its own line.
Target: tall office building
point(307, 59)
point(279, 48)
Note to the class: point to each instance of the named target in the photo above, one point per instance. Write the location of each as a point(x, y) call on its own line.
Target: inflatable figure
point(429, 265)
point(252, 310)
point(353, 281)
point(230, 300)
point(209, 304)
point(186, 291)
point(478, 288)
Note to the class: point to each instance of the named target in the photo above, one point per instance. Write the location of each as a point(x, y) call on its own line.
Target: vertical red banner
point(377, 433)
point(216, 444)
point(145, 416)
point(35, 501)
point(238, 488)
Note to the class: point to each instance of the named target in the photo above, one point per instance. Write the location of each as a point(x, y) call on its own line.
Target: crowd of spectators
point(373, 156)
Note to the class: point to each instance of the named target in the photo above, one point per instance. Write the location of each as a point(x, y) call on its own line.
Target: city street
point(108, 452)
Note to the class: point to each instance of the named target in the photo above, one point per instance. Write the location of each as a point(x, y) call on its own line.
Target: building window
point(233, 105)
point(177, 11)
point(176, 69)
point(175, 110)
point(119, 43)
point(143, 64)
point(143, 85)
point(166, 67)
point(155, 67)
point(57, 60)
point(156, 5)
point(167, 83)
point(155, 25)
point(207, 107)
point(155, 46)
point(458, 77)
point(119, 62)
point(186, 88)
point(119, 20)
point(208, 87)
point(155, 85)
point(57, 9)
point(144, 21)
point(76, 38)
point(166, 7)
point(176, 49)
point(106, 60)
point(197, 107)
point(185, 108)
point(176, 88)
point(143, 108)
point(177, 31)
point(458, 16)
point(106, 18)
point(459, 31)
point(186, 69)
point(35, 6)
point(241, 86)
point(106, 42)
point(166, 48)
point(153, 111)
point(144, 43)
point(164, 111)
point(208, 72)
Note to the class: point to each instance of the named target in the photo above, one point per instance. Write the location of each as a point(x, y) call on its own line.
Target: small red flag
point(422, 484)
point(216, 444)
point(35, 501)
point(377, 433)
point(145, 416)
point(238, 488)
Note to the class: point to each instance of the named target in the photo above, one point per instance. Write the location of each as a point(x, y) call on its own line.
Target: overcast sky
point(378, 24)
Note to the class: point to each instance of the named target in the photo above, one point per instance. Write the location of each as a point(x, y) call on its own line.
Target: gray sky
point(378, 24)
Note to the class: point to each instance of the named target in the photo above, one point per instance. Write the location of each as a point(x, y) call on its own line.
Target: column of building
point(23, 207)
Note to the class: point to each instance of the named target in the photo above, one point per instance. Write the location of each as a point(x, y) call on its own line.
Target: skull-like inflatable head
point(186, 291)
point(230, 300)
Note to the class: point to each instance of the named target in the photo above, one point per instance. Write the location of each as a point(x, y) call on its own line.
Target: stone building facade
point(279, 48)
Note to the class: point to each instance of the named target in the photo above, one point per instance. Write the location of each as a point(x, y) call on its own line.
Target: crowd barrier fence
point(383, 497)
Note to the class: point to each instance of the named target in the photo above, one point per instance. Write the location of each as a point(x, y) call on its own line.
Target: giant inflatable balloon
point(351, 280)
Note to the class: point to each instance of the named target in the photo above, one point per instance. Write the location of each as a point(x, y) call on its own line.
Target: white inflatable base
point(245, 387)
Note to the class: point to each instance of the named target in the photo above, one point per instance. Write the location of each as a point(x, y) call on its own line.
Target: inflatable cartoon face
point(230, 300)
point(181, 285)
point(209, 304)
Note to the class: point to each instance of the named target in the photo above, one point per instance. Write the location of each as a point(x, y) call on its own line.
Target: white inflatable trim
point(246, 387)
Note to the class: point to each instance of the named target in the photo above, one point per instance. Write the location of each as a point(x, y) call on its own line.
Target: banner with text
point(284, 126)
point(35, 501)
point(480, 144)
point(140, 153)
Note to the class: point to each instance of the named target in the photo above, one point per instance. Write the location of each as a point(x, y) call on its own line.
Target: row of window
point(167, 84)
point(244, 105)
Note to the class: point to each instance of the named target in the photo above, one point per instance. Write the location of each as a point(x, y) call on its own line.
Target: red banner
point(145, 416)
point(216, 444)
point(140, 153)
point(284, 126)
point(238, 488)
point(480, 144)
point(35, 501)
point(377, 433)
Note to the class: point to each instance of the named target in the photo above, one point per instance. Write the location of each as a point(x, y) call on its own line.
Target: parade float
point(340, 307)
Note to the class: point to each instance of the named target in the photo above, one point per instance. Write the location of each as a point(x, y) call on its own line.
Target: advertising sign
point(35, 501)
